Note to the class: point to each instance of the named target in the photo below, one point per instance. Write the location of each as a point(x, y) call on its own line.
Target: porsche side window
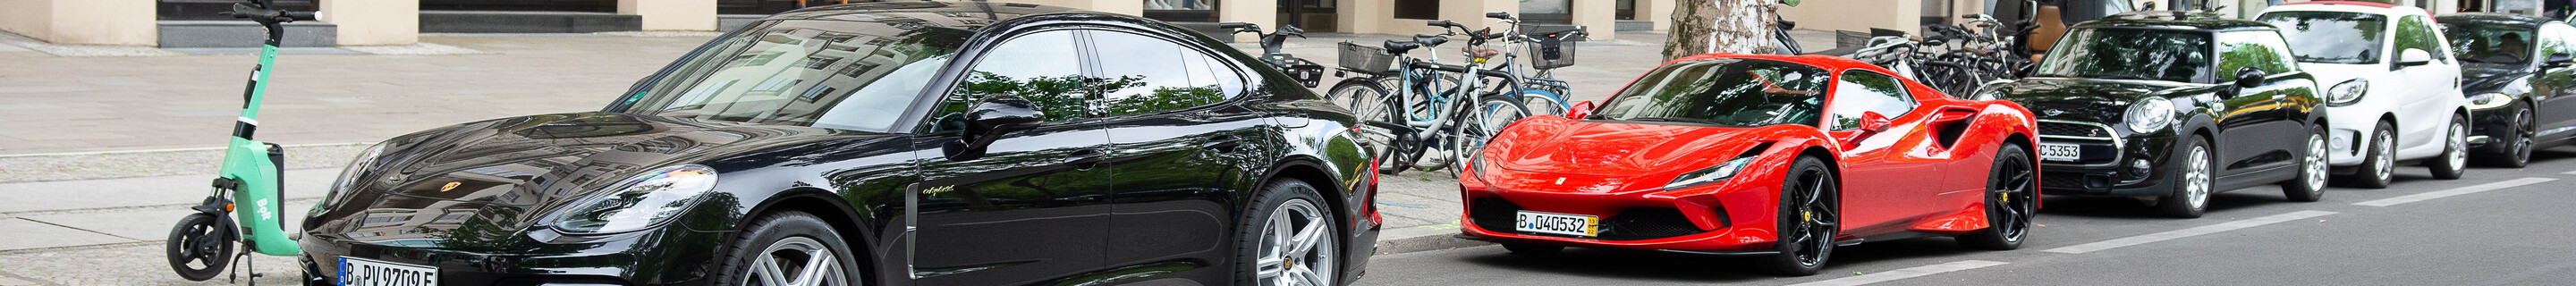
point(1147, 75)
point(1037, 67)
point(1862, 91)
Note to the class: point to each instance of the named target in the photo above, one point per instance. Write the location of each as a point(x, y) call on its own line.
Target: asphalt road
point(2496, 226)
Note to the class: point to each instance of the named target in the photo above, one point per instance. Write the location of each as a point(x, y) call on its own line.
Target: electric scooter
point(202, 243)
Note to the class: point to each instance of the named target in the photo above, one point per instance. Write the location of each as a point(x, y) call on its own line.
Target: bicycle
point(1305, 72)
point(1547, 51)
point(1906, 57)
point(247, 190)
point(1412, 121)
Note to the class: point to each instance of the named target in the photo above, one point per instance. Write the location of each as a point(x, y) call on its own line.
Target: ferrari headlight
point(2489, 100)
point(349, 175)
point(1711, 175)
point(2150, 114)
point(2347, 92)
point(643, 201)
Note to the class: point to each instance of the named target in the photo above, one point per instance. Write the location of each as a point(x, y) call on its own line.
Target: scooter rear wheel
point(199, 247)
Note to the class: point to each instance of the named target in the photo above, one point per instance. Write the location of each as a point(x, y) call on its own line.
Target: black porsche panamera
point(911, 143)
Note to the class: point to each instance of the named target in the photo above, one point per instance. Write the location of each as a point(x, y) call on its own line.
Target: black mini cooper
point(2172, 107)
point(2517, 73)
point(899, 143)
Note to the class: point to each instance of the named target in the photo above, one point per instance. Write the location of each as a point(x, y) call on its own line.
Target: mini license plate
point(2061, 152)
point(362, 272)
point(1566, 224)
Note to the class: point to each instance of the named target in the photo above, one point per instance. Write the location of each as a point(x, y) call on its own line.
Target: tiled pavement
point(73, 216)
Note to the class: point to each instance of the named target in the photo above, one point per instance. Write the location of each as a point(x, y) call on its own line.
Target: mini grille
point(2062, 181)
point(2071, 129)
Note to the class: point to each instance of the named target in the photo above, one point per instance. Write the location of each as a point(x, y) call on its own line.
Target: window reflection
point(836, 74)
point(1726, 92)
point(2139, 54)
point(2332, 37)
point(1038, 67)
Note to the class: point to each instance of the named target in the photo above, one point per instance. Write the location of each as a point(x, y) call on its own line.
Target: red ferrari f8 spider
point(1781, 156)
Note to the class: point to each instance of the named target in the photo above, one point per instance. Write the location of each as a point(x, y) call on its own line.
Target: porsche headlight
point(2347, 92)
point(2489, 100)
point(643, 201)
point(349, 175)
point(1711, 175)
point(2150, 114)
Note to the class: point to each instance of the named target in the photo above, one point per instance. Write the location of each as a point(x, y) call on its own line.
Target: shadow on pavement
point(1643, 265)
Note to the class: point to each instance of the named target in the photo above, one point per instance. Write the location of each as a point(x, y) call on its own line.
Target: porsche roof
point(942, 14)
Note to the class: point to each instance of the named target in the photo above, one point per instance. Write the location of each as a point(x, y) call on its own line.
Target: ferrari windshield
point(2490, 43)
point(823, 73)
point(2332, 37)
point(2139, 54)
point(1724, 92)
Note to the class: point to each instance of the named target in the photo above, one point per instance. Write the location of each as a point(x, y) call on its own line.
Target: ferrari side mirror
point(1872, 121)
point(1581, 110)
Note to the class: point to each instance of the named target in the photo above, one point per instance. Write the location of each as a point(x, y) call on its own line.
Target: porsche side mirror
point(1581, 110)
point(2559, 60)
point(2414, 57)
point(2249, 77)
point(993, 117)
point(1872, 121)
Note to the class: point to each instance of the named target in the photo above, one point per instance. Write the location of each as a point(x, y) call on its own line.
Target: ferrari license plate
point(362, 272)
point(2061, 152)
point(1555, 223)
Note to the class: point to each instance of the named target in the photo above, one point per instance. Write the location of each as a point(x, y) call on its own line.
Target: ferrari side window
point(1861, 91)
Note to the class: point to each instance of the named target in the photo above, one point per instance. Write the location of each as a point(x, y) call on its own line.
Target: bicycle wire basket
point(1366, 59)
point(1553, 49)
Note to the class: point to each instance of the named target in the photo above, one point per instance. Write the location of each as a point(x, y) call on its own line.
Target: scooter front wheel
point(199, 247)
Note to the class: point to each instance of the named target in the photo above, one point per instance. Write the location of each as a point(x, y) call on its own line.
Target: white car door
point(2431, 89)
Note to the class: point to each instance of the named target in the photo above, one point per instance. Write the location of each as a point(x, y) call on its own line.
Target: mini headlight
point(2347, 92)
point(2150, 114)
point(645, 200)
point(349, 175)
point(1711, 175)
point(2489, 100)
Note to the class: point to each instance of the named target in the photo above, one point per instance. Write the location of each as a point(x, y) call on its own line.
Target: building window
point(1181, 10)
point(1547, 12)
point(207, 9)
point(1425, 10)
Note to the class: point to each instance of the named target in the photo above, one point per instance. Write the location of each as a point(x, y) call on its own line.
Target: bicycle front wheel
point(1487, 118)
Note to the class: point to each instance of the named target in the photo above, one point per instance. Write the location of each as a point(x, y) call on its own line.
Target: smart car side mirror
point(2414, 57)
point(2249, 77)
point(1872, 121)
point(999, 115)
point(1581, 110)
point(2559, 60)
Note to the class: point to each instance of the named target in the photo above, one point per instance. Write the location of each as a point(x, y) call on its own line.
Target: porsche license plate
point(2061, 152)
point(362, 272)
point(1555, 223)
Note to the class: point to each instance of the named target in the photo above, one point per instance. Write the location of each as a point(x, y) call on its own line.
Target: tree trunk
point(1720, 26)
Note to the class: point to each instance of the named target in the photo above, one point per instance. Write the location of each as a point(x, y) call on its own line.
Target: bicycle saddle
point(1430, 40)
point(1399, 47)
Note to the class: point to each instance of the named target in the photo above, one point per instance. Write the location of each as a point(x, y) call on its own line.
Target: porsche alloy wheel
point(2190, 197)
point(1296, 242)
point(1808, 219)
point(2011, 201)
point(796, 261)
point(788, 249)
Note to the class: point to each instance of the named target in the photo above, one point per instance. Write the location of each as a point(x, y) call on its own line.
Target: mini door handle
point(1084, 159)
point(1223, 143)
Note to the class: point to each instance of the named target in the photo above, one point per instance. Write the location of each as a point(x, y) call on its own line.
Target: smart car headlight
point(643, 201)
point(2347, 92)
point(2150, 114)
point(2489, 100)
point(1711, 175)
point(349, 175)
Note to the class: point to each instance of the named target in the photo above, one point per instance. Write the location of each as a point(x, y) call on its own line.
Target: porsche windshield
point(1724, 92)
point(2122, 53)
point(2332, 37)
point(823, 73)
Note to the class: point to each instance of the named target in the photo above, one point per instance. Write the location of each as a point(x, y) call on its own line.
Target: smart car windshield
point(2490, 43)
point(823, 73)
point(1724, 92)
point(2332, 37)
point(2121, 53)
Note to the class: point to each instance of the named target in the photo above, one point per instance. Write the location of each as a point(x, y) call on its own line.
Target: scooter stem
point(252, 163)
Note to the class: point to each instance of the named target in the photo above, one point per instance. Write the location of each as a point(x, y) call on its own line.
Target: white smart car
point(2393, 93)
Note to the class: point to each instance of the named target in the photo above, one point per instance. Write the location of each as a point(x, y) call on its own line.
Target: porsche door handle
point(1223, 144)
point(1083, 160)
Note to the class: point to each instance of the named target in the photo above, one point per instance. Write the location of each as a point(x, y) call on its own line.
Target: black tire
point(1294, 207)
point(794, 235)
point(2378, 161)
point(2193, 181)
point(1808, 219)
point(1532, 248)
point(2012, 200)
point(199, 247)
point(2310, 186)
point(2517, 151)
point(2454, 160)
point(1485, 119)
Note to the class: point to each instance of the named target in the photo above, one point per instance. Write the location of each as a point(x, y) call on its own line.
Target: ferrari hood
point(484, 181)
point(1614, 148)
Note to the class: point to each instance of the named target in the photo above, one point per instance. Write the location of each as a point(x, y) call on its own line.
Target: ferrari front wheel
point(2012, 199)
point(1808, 219)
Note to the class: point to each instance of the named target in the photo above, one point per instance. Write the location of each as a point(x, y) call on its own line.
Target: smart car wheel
point(2191, 183)
point(2379, 161)
point(2011, 201)
point(1288, 239)
point(198, 247)
point(789, 249)
point(2454, 160)
point(2311, 184)
point(1808, 219)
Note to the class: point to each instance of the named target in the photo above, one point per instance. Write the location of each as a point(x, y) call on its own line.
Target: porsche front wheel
point(789, 249)
point(1808, 219)
point(2012, 199)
